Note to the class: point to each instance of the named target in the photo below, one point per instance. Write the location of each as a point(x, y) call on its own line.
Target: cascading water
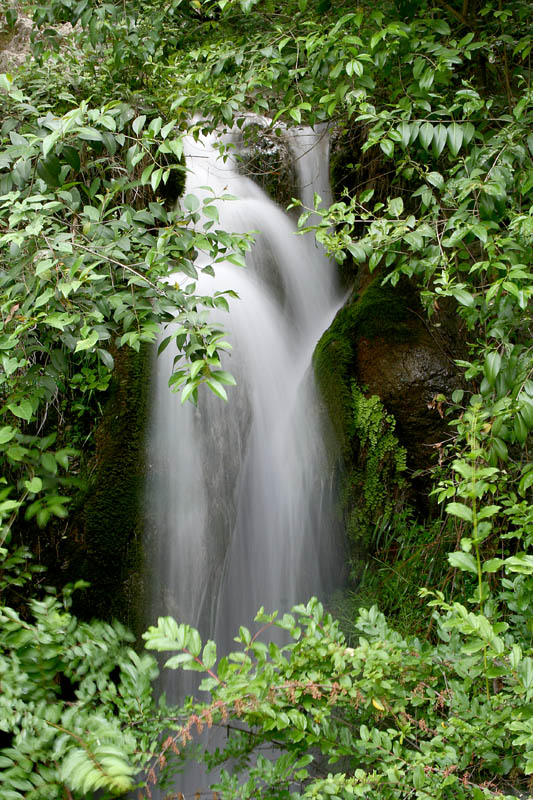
point(241, 508)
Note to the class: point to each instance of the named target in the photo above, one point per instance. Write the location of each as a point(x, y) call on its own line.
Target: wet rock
point(265, 158)
point(409, 378)
point(382, 340)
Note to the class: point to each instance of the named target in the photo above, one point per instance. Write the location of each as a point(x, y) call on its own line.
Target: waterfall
point(241, 510)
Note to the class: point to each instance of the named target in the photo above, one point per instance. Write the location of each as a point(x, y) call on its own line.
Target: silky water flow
point(239, 495)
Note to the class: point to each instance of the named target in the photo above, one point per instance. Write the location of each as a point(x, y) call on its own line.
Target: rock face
point(408, 377)
point(381, 340)
point(15, 43)
point(15, 40)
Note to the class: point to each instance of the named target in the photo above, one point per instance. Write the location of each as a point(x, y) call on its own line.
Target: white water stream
point(240, 504)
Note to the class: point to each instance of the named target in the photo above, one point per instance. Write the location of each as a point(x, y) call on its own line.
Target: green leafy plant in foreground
point(72, 697)
point(389, 717)
point(385, 716)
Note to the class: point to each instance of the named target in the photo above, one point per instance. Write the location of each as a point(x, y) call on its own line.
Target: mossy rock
point(373, 311)
point(380, 361)
point(109, 524)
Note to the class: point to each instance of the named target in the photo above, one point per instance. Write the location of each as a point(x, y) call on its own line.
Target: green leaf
point(296, 114)
point(441, 27)
point(525, 483)
point(225, 377)
point(387, 146)
point(44, 266)
point(427, 78)
point(43, 298)
point(357, 251)
point(525, 671)
point(86, 344)
point(521, 563)
point(147, 171)
point(165, 130)
point(209, 655)
point(493, 565)
point(374, 260)
point(463, 561)
point(425, 134)
point(34, 485)
point(464, 297)
point(404, 129)
point(455, 138)
point(526, 409)
point(191, 202)
point(217, 388)
point(468, 132)
point(419, 776)
point(7, 433)
point(460, 510)
point(481, 232)
point(435, 179)
point(49, 142)
point(211, 212)
point(72, 157)
point(439, 140)
point(49, 462)
point(90, 134)
point(138, 124)
point(155, 179)
point(488, 511)
point(356, 68)
point(187, 391)
point(396, 207)
point(106, 358)
point(492, 366)
point(22, 410)
point(237, 259)
point(500, 448)
point(177, 661)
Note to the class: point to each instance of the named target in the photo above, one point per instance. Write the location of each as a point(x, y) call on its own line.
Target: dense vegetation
point(437, 95)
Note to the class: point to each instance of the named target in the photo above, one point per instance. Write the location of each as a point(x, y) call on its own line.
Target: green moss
point(333, 362)
point(372, 484)
point(111, 519)
point(374, 480)
point(383, 311)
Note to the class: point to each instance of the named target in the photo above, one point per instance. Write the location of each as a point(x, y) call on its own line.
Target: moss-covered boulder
point(382, 370)
point(381, 340)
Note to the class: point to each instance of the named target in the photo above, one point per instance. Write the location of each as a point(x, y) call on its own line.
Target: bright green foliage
point(73, 699)
point(376, 474)
point(383, 718)
point(458, 222)
point(87, 245)
point(404, 555)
